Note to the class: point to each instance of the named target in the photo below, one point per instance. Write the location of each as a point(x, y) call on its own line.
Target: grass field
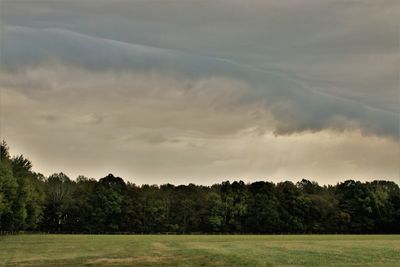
point(203, 250)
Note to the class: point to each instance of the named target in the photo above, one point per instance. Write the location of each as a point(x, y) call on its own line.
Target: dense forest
point(32, 202)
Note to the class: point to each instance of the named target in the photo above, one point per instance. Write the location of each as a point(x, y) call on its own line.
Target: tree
point(263, 214)
point(29, 206)
point(215, 212)
point(59, 190)
point(8, 190)
point(58, 204)
point(292, 207)
point(356, 200)
point(107, 202)
point(21, 194)
point(154, 210)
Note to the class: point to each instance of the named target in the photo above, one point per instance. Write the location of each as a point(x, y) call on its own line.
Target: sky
point(201, 91)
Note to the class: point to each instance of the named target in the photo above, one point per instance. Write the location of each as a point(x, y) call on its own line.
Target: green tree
point(8, 190)
point(263, 215)
point(29, 206)
point(292, 207)
point(356, 200)
point(215, 212)
point(59, 189)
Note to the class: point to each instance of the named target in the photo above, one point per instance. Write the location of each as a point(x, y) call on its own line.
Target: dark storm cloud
point(231, 85)
point(296, 106)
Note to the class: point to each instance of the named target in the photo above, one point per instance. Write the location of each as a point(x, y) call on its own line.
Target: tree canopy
point(31, 201)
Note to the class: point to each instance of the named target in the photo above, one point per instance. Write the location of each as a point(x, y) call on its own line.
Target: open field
point(200, 250)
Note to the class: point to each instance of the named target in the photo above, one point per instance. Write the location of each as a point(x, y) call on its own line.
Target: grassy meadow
point(200, 250)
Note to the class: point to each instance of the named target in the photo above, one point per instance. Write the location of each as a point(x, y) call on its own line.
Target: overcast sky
point(200, 91)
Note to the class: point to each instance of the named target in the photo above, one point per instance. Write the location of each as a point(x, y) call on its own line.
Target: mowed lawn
point(200, 250)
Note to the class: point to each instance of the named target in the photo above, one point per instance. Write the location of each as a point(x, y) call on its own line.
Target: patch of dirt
point(161, 253)
point(112, 261)
point(132, 260)
point(160, 246)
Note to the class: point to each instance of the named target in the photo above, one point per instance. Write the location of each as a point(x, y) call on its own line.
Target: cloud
point(203, 86)
point(291, 101)
point(155, 127)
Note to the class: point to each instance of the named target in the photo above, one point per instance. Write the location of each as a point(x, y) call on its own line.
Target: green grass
point(200, 250)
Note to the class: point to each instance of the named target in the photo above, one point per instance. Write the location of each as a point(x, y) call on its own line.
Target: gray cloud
point(296, 105)
point(154, 78)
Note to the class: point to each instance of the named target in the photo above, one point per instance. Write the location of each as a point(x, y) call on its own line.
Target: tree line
point(30, 201)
